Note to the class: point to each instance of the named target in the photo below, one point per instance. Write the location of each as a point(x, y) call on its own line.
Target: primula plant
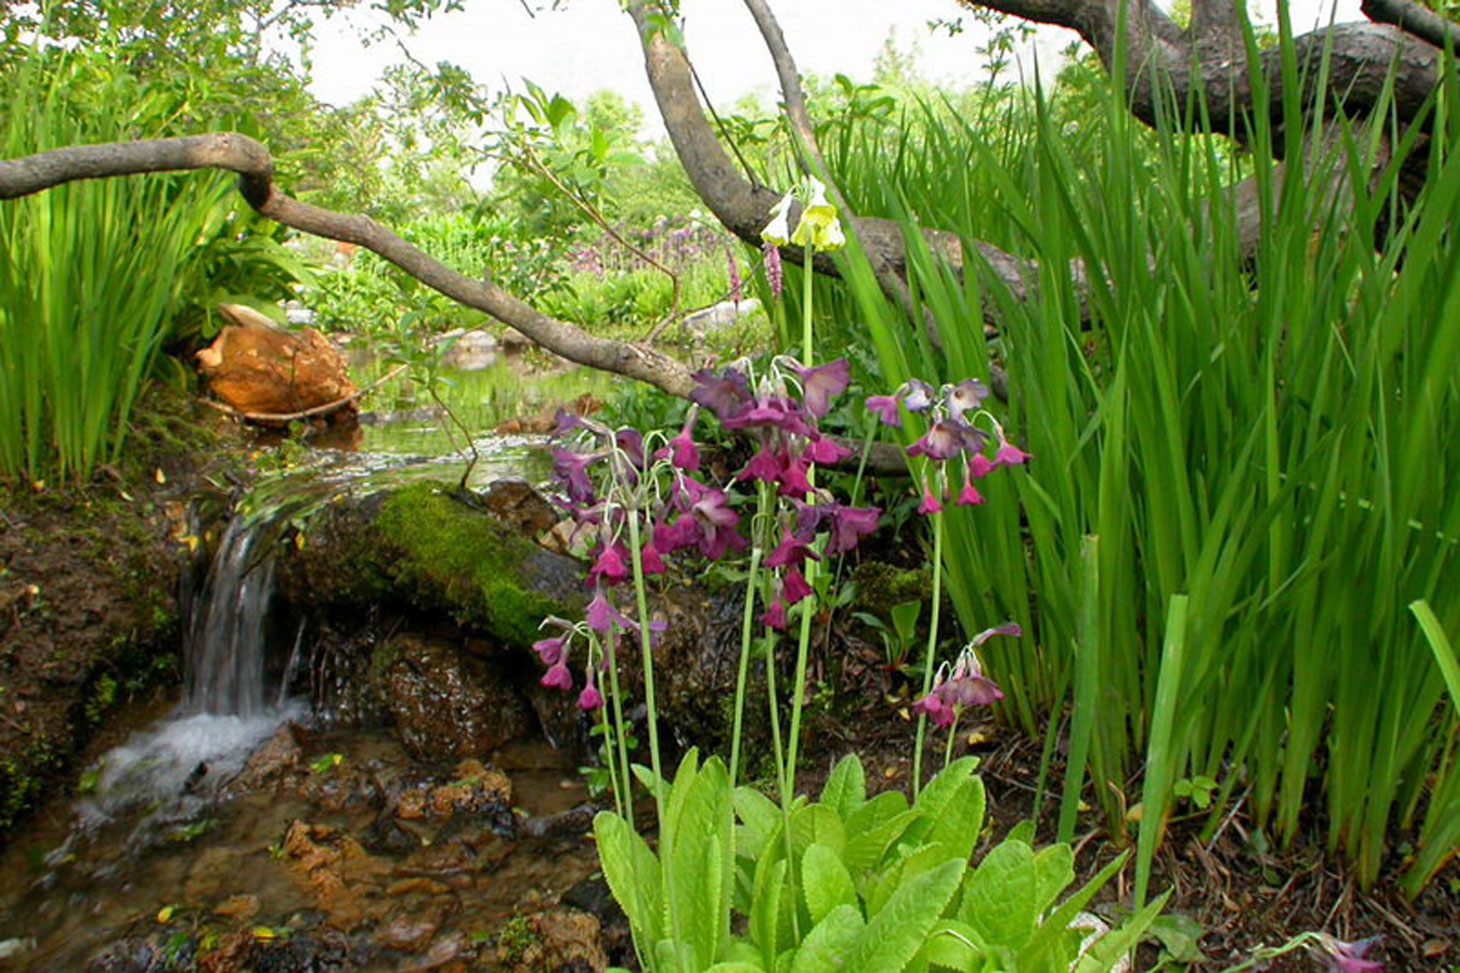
point(739, 882)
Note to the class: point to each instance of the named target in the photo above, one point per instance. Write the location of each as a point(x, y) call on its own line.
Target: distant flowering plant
point(953, 442)
point(965, 685)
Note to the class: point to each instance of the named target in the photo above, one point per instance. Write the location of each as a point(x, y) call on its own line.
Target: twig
point(306, 413)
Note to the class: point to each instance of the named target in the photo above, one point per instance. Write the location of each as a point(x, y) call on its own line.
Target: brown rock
point(240, 907)
point(282, 755)
point(517, 504)
point(408, 934)
point(333, 870)
point(260, 369)
point(447, 703)
point(561, 939)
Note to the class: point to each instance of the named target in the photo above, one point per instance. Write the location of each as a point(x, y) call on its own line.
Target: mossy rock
point(424, 547)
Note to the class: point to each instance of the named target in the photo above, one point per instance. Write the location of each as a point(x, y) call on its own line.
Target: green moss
point(446, 553)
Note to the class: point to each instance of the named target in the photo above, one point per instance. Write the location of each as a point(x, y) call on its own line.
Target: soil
point(89, 617)
point(89, 584)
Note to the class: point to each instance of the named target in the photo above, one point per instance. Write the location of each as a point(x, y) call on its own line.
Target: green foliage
point(93, 271)
point(1244, 436)
point(859, 884)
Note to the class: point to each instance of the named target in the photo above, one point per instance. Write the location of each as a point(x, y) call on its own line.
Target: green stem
point(807, 278)
point(798, 686)
point(747, 623)
point(620, 735)
point(646, 651)
point(770, 677)
point(952, 736)
point(917, 781)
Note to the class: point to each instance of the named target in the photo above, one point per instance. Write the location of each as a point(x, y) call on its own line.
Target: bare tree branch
point(1413, 18)
point(241, 154)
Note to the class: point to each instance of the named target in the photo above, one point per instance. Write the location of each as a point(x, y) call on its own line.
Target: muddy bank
point(89, 583)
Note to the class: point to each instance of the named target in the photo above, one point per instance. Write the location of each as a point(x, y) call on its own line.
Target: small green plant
point(900, 636)
point(326, 763)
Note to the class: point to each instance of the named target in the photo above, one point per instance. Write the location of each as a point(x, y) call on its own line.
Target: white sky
point(590, 44)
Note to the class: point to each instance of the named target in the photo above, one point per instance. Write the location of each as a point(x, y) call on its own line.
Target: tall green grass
point(1263, 446)
point(90, 272)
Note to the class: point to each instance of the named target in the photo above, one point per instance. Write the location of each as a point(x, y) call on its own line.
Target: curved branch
point(744, 209)
point(254, 166)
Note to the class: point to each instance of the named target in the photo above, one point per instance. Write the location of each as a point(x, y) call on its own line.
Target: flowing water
point(226, 834)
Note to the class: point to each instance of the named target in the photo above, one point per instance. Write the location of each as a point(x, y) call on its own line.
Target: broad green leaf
point(829, 943)
point(817, 823)
point(846, 787)
point(760, 818)
point(765, 910)
point(914, 862)
point(1023, 832)
point(737, 966)
point(684, 779)
point(895, 934)
point(952, 944)
point(1042, 951)
point(1108, 950)
point(632, 873)
point(934, 798)
point(1054, 870)
point(825, 883)
point(873, 828)
point(694, 859)
point(999, 897)
point(958, 825)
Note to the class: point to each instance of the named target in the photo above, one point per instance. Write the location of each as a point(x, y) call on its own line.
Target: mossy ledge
point(423, 547)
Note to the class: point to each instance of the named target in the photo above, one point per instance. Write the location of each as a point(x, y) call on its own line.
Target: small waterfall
point(227, 635)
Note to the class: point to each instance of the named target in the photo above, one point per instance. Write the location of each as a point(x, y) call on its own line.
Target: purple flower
point(930, 504)
point(716, 523)
point(684, 452)
point(590, 698)
point(725, 393)
point(1010, 455)
point(918, 395)
point(601, 616)
point(790, 552)
point(849, 525)
point(935, 709)
point(631, 441)
point(734, 275)
point(821, 384)
point(825, 451)
point(1008, 628)
point(773, 272)
point(885, 406)
point(793, 478)
point(945, 439)
point(795, 586)
point(765, 466)
point(649, 558)
point(610, 565)
point(979, 466)
point(775, 616)
point(1341, 957)
point(558, 676)
point(970, 689)
point(550, 651)
point(572, 469)
point(969, 496)
point(967, 394)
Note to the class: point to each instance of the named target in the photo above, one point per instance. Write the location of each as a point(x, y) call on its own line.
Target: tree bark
point(255, 167)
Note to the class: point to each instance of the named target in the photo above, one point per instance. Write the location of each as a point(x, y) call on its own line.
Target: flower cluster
point(965, 685)
point(618, 475)
point(953, 443)
point(781, 410)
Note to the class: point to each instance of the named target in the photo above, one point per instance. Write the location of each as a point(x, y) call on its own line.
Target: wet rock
point(336, 873)
point(260, 369)
point(443, 952)
point(446, 703)
point(406, 934)
point(280, 757)
point(240, 907)
point(471, 351)
point(518, 505)
point(561, 939)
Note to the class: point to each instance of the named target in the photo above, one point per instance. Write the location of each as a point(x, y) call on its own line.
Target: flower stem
point(917, 781)
point(625, 779)
point(807, 280)
point(747, 624)
point(948, 747)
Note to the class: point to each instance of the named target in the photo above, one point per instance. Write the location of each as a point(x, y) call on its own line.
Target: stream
point(235, 828)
